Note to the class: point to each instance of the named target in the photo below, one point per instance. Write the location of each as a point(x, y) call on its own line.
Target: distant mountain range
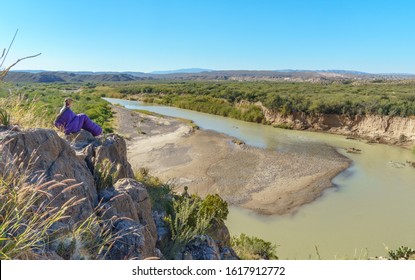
point(187, 70)
point(40, 76)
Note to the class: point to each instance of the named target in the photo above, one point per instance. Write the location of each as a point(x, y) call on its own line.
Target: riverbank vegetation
point(379, 97)
point(402, 253)
point(239, 100)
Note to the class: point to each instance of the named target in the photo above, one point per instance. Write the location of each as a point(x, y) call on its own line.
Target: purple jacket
point(72, 123)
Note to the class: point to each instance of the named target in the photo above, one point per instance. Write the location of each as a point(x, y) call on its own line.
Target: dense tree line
point(378, 97)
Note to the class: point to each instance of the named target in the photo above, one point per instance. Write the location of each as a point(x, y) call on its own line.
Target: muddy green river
point(370, 208)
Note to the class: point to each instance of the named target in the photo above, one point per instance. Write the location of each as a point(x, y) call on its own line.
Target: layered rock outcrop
point(381, 129)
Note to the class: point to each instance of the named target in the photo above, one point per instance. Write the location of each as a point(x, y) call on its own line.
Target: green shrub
point(187, 216)
point(186, 222)
point(253, 248)
point(222, 97)
point(36, 105)
point(24, 112)
point(192, 216)
point(214, 206)
point(402, 253)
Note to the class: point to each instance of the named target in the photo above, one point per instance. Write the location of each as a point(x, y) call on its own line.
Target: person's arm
point(58, 120)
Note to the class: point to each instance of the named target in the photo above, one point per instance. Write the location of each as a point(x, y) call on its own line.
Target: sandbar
point(266, 181)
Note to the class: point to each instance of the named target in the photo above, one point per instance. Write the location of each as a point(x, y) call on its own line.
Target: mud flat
point(266, 181)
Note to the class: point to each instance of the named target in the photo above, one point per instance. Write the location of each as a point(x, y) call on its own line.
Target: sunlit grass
point(29, 217)
point(24, 112)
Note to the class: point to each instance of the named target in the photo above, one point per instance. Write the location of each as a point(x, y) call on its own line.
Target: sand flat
point(268, 182)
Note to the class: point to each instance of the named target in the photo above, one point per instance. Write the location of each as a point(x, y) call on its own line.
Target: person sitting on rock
point(70, 122)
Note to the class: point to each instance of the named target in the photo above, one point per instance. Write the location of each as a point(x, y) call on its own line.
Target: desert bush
point(192, 216)
point(253, 248)
point(187, 216)
point(222, 97)
point(214, 206)
point(186, 222)
point(36, 105)
point(402, 253)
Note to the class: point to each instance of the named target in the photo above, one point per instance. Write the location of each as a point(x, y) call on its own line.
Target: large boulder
point(128, 205)
point(130, 242)
point(95, 150)
point(42, 151)
point(114, 148)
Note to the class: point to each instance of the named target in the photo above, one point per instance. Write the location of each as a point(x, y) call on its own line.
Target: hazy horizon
point(147, 36)
point(186, 70)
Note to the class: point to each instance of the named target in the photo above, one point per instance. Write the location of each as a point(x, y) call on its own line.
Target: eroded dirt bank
point(380, 129)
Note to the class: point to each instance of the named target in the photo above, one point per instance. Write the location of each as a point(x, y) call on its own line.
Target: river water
point(370, 208)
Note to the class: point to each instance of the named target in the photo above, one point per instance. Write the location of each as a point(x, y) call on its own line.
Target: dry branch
point(4, 72)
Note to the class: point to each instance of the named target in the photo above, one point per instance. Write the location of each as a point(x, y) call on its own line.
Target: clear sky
point(374, 36)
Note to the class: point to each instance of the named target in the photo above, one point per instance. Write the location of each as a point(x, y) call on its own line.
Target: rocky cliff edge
point(78, 164)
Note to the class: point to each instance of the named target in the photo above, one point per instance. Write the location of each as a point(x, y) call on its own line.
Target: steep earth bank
point(374, 128)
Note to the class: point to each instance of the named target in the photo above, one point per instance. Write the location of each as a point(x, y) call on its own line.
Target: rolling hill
point(34, 76)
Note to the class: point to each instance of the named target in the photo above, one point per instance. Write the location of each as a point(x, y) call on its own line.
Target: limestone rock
point(227, 253)
point(129, 204)
point(124, 206)
point(130, 242)
point(114, 148)
point(202, 247)
point(81, 139)
point(94, 150)
point(43, 151)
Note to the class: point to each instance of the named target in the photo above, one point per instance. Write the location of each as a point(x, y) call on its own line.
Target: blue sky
point(372, 36)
